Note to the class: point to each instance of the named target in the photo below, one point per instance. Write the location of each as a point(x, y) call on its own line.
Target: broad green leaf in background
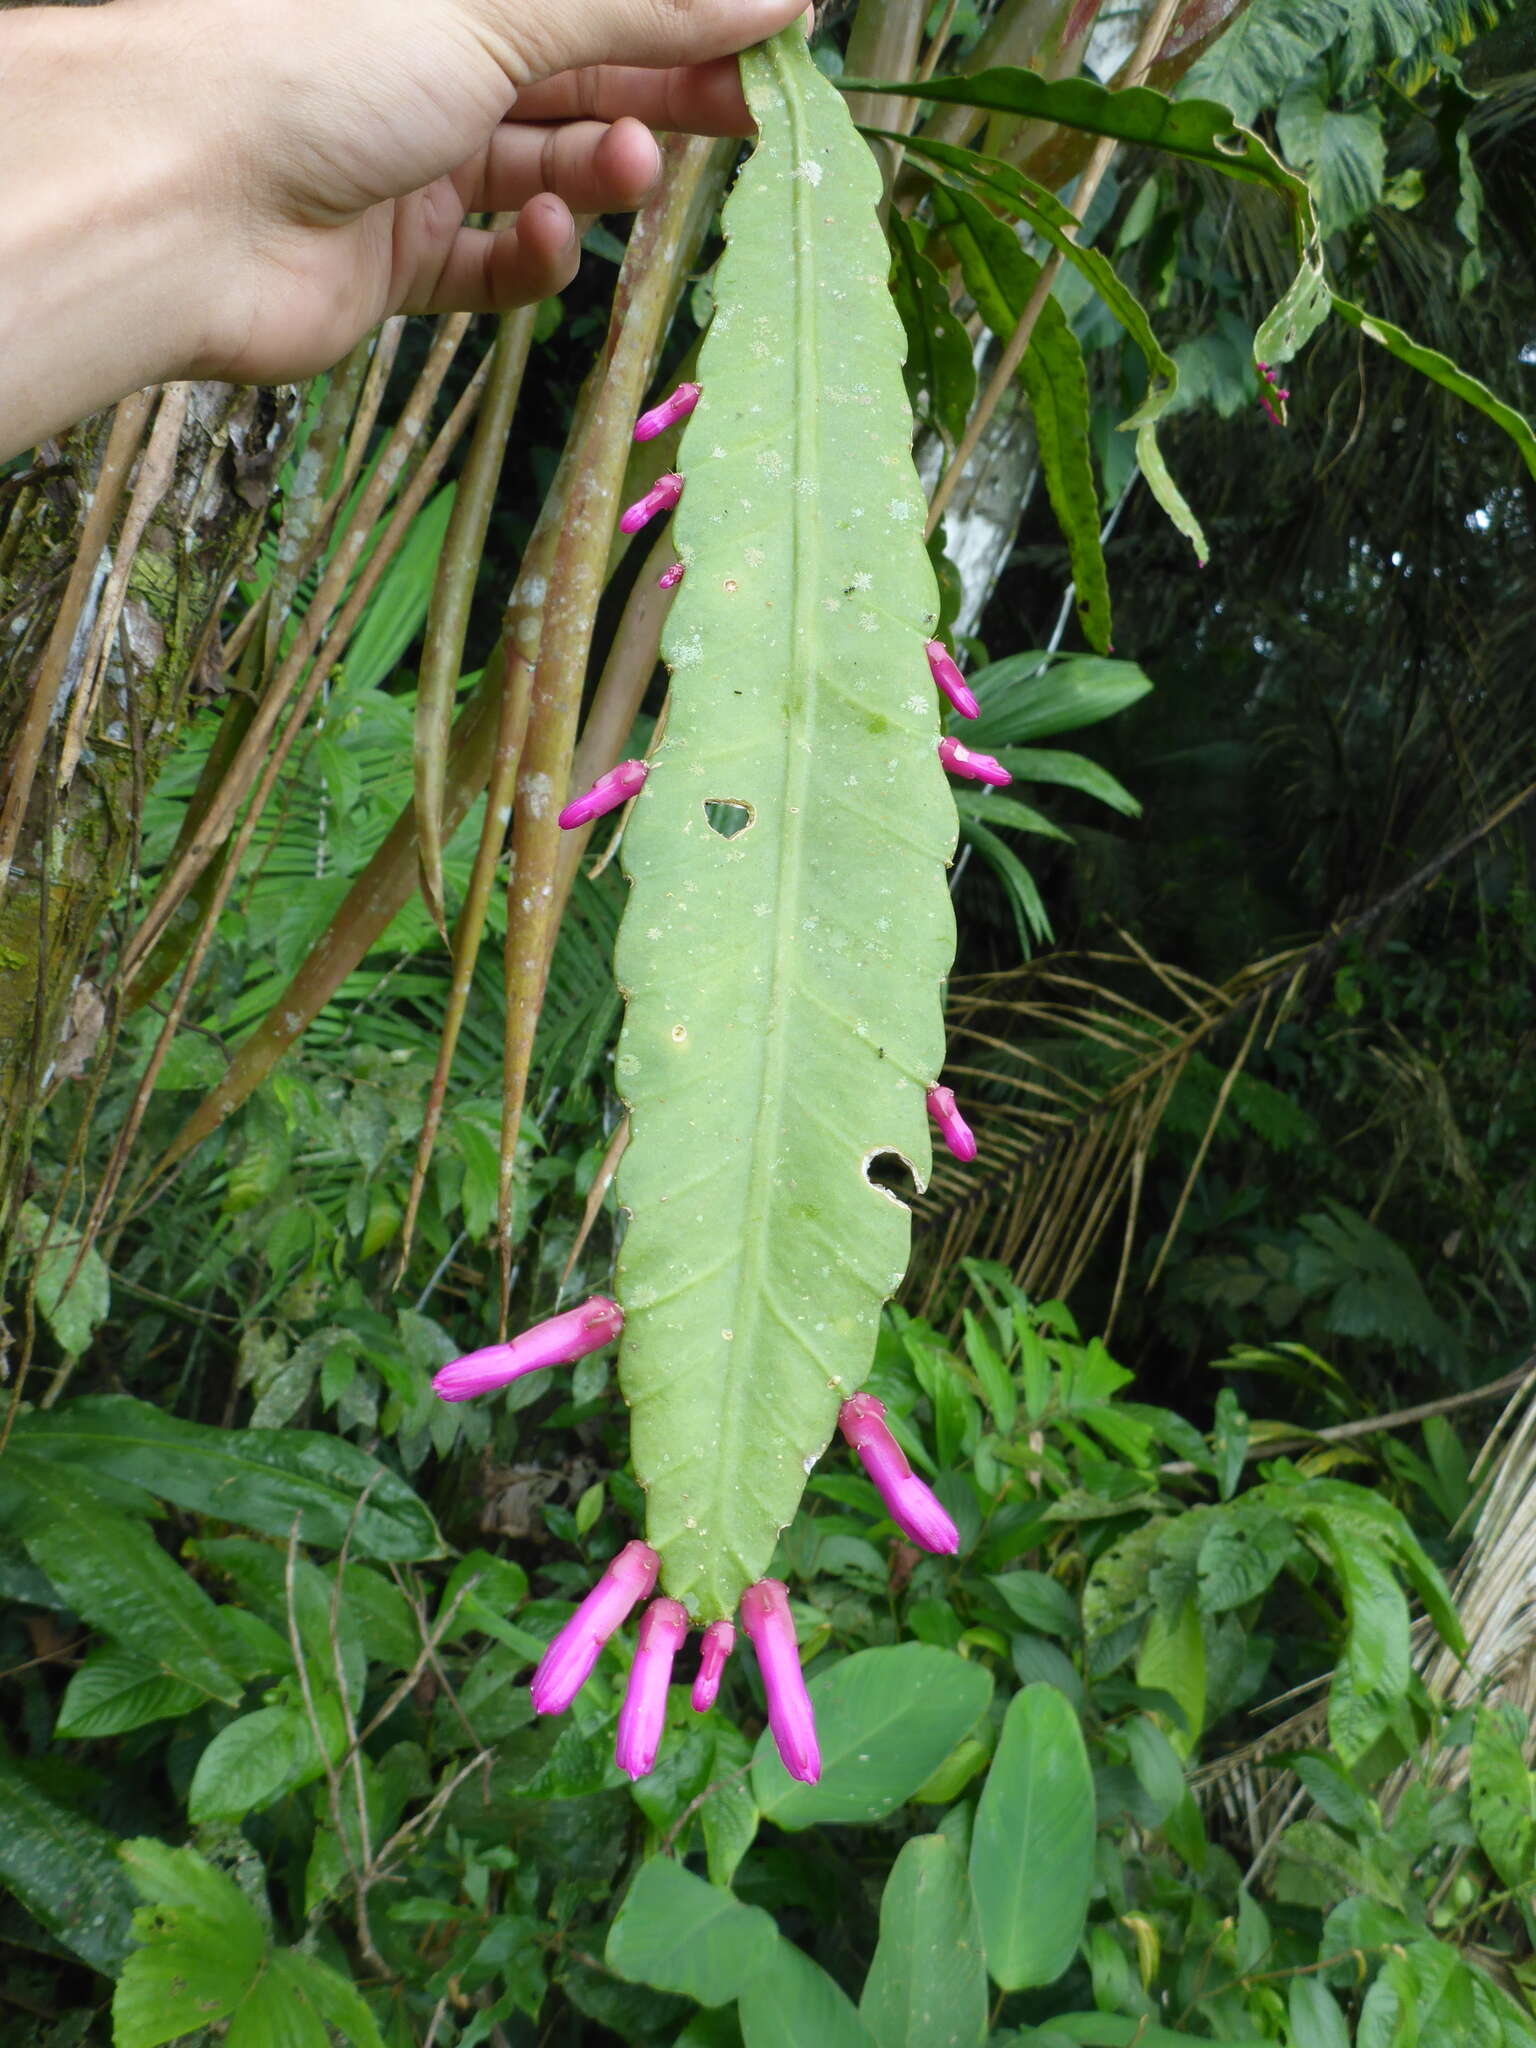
point(678, 1933)
point(1029, 696)
point(1172, 1660)
point(1343, 154)
point(1032, 1844)
point(784, 1019)
point(1442, 371)
point(64, 1870)
point(1113, 2030)
point(794, 2002)
point(1501, 1787)
point(886, 1720)
point(116, 1690)
point(205, 1958)
point(927, 1983)
point(1316, 2021)
point(258, 1478)
point(115, 1575)
point(72, 1304)
point(259, 1757)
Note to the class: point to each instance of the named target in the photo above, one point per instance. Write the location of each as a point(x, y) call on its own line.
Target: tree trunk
point(195, 496)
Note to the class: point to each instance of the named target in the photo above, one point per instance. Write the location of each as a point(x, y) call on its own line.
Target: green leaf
point(1316, 2021)
point(115, 1575)
point(784, 1021)
point(1343, 154)
point(1200, 131)
point(1502, 1810)
point(1067, 771)
point(1172, 1660)
point(258, 1758)
point(116, 1690)
point(940, 365)
point(1032, 1844)
point(72, 1304)
point(259, 1478)
point(1002, 279)
point(1240, 1555)
point(927, 1983)
point(1442, 371)
point(1112, 2030)
point(64, 1870)
point(793, 2003)
point(886, 1719)
point(204, 1948)
point(680, 1934)
point(1254, 59)
point(1029, 696)
point(1041, 1602)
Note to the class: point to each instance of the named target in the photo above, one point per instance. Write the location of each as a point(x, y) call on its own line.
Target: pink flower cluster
point(569, 1661)
point(1269, 381)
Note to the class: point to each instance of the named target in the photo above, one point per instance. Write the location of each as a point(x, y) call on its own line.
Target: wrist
point(107, 228)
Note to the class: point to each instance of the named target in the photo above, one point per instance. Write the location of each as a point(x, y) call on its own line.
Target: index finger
point(700, 99)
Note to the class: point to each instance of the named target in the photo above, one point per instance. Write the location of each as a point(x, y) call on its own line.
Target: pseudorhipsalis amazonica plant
point(787, 935)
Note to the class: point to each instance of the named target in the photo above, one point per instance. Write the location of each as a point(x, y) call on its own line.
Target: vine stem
point(1142, 59)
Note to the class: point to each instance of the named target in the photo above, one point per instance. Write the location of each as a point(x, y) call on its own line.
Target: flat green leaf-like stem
point(783, 983)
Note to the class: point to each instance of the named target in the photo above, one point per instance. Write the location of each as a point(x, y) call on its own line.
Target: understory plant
point(326, 1717)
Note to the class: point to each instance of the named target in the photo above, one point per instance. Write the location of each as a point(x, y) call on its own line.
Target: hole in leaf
point(893, 1174)
point(727, 817)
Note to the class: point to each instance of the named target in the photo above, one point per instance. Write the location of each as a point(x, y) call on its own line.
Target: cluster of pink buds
point(568, 1662)
point(670, 578)
point(571, 1658)
point(606, 794)
point(1269, 377)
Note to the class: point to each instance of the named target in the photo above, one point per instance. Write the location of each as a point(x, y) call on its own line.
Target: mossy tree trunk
point(79, 830)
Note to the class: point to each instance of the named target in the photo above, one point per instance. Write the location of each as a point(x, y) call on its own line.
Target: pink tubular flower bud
point(950, 681)
point(559, 1341)
point(670, 578)
point(662, 1628)
point(567, 1664)
point(974, 766)
point(719, 1641)
point(606, 794)
point(957, 1133)
point(909, 1501)
point(765, 1617)
point(668, 413)
point(661, 497)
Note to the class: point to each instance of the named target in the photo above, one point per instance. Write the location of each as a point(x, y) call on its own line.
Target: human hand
point(355, 136)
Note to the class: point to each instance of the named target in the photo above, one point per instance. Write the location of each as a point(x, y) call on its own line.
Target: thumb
point(538, 40)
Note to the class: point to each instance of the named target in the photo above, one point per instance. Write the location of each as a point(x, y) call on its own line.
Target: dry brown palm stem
point(123, 442)
point(246, 766)
point(1152, 38)
point(661, 244)
point(309, 505)
point(453, 594)
point(616, 703)
point(151, 482)
point(411, 501)
point(520, 646)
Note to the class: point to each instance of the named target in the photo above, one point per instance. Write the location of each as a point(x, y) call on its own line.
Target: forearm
point(102, 197)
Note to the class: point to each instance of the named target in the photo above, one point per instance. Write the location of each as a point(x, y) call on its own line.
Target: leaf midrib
point(798, 760)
